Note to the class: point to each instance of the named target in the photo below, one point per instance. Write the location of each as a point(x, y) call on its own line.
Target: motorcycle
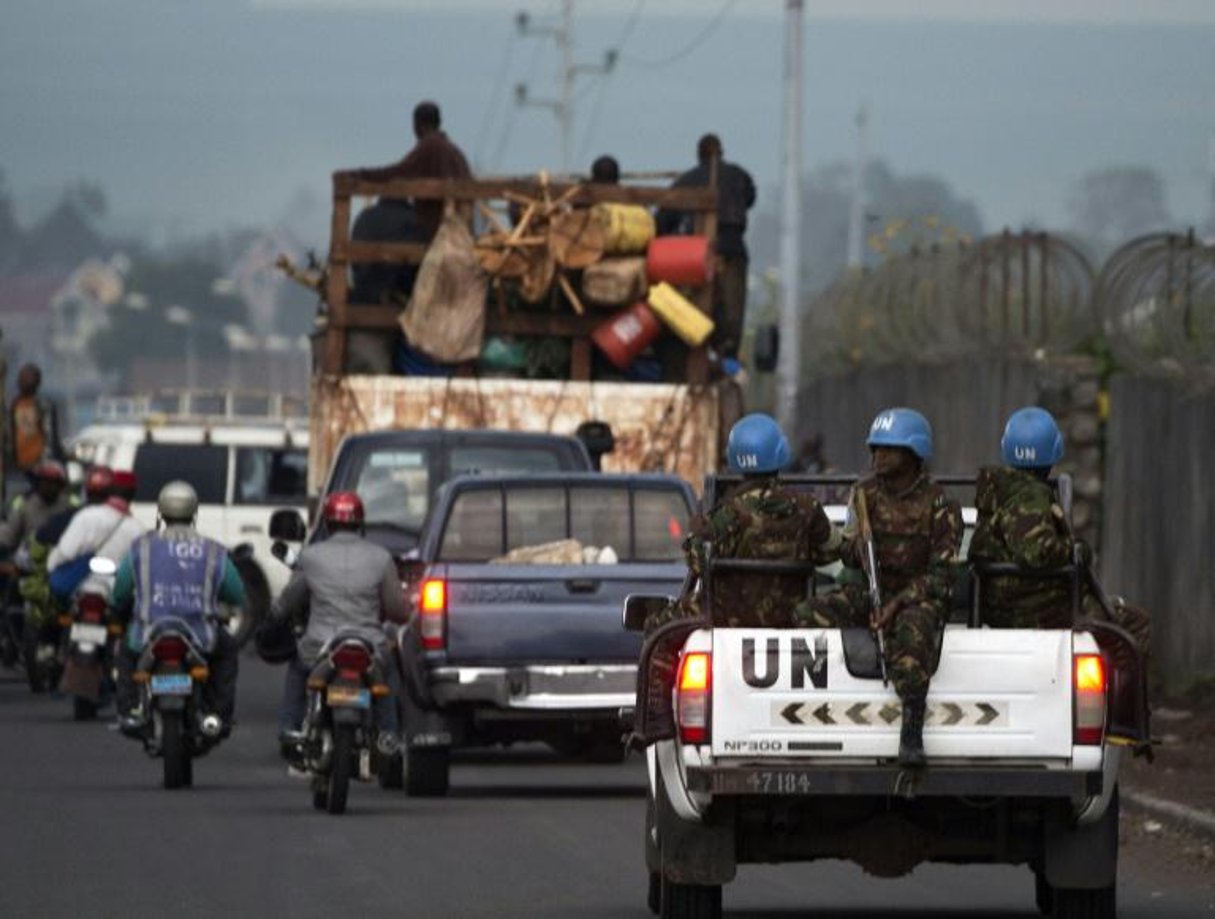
point(87, 651)
point(172, 672)
point(339, 739)
point(42, 651)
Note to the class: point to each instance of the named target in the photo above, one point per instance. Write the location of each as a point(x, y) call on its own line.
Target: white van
point(245, 454)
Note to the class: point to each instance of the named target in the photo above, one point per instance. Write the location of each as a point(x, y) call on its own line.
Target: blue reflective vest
point(178, 574)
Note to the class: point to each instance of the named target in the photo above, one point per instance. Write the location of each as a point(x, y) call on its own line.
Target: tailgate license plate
point(349, 697)
point(172, 684)
point(88, 633)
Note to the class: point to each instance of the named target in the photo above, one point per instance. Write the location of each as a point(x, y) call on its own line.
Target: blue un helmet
point(1031, 439)
point(902, 427)
point(757, 444)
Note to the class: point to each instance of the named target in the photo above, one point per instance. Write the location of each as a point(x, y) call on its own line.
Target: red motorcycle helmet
point(124, 484)
point(50, 471)
point(343, 509)
point(98, 482)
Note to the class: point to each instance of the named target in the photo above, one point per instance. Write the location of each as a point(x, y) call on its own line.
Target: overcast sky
point(194, 115)
point(1094, 11)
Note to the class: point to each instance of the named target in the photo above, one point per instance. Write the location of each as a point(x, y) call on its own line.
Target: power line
point(696, 42)
point(601, 84)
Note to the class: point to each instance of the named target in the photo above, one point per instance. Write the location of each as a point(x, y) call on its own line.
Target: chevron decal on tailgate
point(844, 713)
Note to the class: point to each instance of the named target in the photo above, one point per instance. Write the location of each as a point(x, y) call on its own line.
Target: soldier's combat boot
point(911, 740)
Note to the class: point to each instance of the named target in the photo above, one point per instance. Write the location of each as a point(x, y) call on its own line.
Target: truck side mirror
point(598, 439)
point(287, 524)
point(639, 607)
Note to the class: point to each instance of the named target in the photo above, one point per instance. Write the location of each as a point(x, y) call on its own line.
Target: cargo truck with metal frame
point(677, 425)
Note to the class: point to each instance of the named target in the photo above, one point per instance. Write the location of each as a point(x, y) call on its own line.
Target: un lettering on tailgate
point(996, 693)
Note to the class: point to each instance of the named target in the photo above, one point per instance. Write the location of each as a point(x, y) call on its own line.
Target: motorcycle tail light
point(91, 607)
point(351, 657)
point(171, 649)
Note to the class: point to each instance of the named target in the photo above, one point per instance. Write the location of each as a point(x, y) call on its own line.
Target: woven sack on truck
point(445, 317)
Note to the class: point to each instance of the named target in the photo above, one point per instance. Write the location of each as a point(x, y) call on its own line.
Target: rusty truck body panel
point(659, 427)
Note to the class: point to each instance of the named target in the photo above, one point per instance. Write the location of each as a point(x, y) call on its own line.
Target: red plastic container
point(623, 337)
point(679, 260)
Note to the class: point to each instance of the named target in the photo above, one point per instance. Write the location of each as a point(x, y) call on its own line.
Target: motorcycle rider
point(48, 496)
point(35, 587)
point(106, 529)
point(342, 583)
point(175, 572)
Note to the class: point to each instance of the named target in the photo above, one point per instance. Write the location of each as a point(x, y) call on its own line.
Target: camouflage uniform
point(917, 535)
point(1019, 521)
point(762, 519)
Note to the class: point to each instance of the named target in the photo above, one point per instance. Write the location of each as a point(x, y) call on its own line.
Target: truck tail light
point(694, 697)
point(433, 618)
point(1088, 687)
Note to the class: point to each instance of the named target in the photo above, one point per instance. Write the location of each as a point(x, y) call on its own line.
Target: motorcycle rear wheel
point(178, 770)
point(83, 709)
point(340, 768)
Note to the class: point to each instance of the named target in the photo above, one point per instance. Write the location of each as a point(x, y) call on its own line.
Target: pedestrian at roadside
point(33, 423)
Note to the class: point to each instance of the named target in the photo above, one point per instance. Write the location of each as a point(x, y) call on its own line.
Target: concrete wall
point(1144, 483)
point(1158, 544)
point(967, 402)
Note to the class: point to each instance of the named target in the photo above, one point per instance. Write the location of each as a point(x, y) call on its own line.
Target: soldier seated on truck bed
point(917, 532)
point(1021, 522)
point(760, 519)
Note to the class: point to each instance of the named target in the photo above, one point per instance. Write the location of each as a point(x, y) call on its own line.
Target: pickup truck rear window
point(639, 524)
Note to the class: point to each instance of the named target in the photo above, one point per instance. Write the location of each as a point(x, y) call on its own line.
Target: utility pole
point(789, 366)
point(856, 217)
point(563, 105)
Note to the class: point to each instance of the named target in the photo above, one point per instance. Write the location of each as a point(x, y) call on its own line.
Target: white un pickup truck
point(780, 745)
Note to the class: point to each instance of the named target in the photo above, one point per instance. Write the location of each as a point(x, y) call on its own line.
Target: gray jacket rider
point(344, 582)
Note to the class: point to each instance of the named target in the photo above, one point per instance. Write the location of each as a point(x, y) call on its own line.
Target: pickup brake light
point(1088, 687)
point(694, 695)
point(433, 619)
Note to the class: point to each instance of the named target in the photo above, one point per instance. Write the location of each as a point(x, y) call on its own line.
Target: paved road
point(87, 831)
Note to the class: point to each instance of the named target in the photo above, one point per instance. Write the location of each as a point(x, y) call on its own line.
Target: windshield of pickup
point(638, 523)
point(394, 484)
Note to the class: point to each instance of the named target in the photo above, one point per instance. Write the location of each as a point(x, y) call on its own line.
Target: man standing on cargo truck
point(1021, 522)
point(434, 156)
point(735, 196)
point(605, 170)
point(759, 519)
point(345, 582)
point(917, 532)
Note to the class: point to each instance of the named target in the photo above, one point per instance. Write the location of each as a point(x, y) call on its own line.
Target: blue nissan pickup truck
point(517, 591)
